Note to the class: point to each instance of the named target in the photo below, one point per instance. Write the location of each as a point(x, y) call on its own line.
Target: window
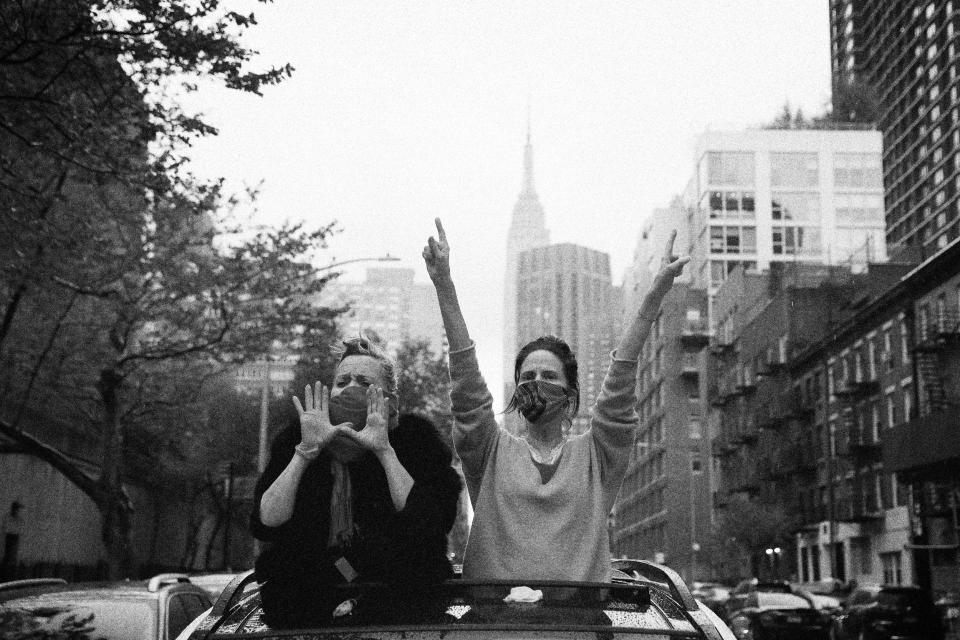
point(794, 170)
point(858, 170)
point(732, 239)
point(907, 402)
point(795, 207)
point(730, 168)
point(892, 569)
point(796, 240)
point(732, 204)
point(891, 411)
point(696, 430)
point(858, 209)
point(696, 465)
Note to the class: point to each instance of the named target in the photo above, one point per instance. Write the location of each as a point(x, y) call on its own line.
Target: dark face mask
point(350, 405)
point(540, 401)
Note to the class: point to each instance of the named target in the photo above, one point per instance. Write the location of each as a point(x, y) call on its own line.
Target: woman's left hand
point(374, 436)
point(670, 265)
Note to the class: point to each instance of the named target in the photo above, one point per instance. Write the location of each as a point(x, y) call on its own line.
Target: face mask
point(350, 405)
point(540, 402)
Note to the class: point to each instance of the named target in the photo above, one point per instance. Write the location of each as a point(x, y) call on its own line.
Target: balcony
point(695, 334)
point(798, 409)
point(746, 387)
point(851, 389)
point(741, 479)
point(690, 366)
point(859, 507)
point(860, 444)
point(722, 347)
point(721, 449)
point(743, 434)
point(771, 369)
point(926, 443)
point(941, 332)
point(772, 467)
point(720, 500)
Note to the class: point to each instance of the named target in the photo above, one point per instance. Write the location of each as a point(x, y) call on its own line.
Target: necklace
point(551, 457)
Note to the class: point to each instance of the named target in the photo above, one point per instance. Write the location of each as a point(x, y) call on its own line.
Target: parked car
point(739, 596)
point(155, 609)
point(712, 594)
point(641, 598)
point(874, 612)
point(778, 615)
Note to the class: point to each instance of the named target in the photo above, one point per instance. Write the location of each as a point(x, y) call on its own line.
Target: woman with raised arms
point(541, 501)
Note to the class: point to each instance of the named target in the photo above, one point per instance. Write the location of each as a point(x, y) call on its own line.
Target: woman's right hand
point(436, 255)
point(315, 428)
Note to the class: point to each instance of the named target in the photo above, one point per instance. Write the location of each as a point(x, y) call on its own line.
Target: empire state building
point(527, 231)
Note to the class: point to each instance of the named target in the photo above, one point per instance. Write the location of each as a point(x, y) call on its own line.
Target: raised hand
point(437, 254)
point(374, 436)
point(670, 265)
point(316, 432)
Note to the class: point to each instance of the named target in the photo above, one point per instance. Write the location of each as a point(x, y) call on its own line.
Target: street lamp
point(383, 258)
point(773, 553)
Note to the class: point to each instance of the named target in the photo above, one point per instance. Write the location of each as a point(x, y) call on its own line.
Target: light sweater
point(524, 528)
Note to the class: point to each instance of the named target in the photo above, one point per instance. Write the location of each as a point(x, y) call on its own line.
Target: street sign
point(255, 371)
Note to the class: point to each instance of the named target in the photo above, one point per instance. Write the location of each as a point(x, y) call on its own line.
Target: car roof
point(60, 591)
point(630, 604)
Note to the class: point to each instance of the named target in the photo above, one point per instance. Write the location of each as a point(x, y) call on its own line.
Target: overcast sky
point(401, 111)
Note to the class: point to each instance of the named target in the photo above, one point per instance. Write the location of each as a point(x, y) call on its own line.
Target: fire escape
point(933, 340)
point(858, 441)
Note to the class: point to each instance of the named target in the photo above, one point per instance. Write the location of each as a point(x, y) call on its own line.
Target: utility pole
point(226, 531)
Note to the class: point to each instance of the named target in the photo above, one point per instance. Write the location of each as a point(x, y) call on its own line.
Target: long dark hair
point(562, 350)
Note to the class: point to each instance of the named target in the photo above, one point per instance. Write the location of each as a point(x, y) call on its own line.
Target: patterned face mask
point(540, 402)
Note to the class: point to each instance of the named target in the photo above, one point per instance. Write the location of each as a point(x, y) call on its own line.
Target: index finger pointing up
point(443, 234)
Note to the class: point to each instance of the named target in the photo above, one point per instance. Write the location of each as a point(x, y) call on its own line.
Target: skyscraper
point(527, 230)
point(903, 55)
point(565, 290)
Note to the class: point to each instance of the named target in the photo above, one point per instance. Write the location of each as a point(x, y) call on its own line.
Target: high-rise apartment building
point(391, 304)
point(763, 196)
point(906, 52)
point(527, 230)
point(565, 290)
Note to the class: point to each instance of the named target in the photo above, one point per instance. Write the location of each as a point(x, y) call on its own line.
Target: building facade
point(391, 304)
point(907, 53)
point(759, 197)
point(831, 400)
point(923, 448)
point(565, 290)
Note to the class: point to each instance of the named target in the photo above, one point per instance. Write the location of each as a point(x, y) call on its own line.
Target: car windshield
point(781, 601)
point(108, 619)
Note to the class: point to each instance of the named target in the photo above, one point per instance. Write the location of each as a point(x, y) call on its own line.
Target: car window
point(178, 616)
point(109, 619)
point(901, 600)
point(782, 601)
